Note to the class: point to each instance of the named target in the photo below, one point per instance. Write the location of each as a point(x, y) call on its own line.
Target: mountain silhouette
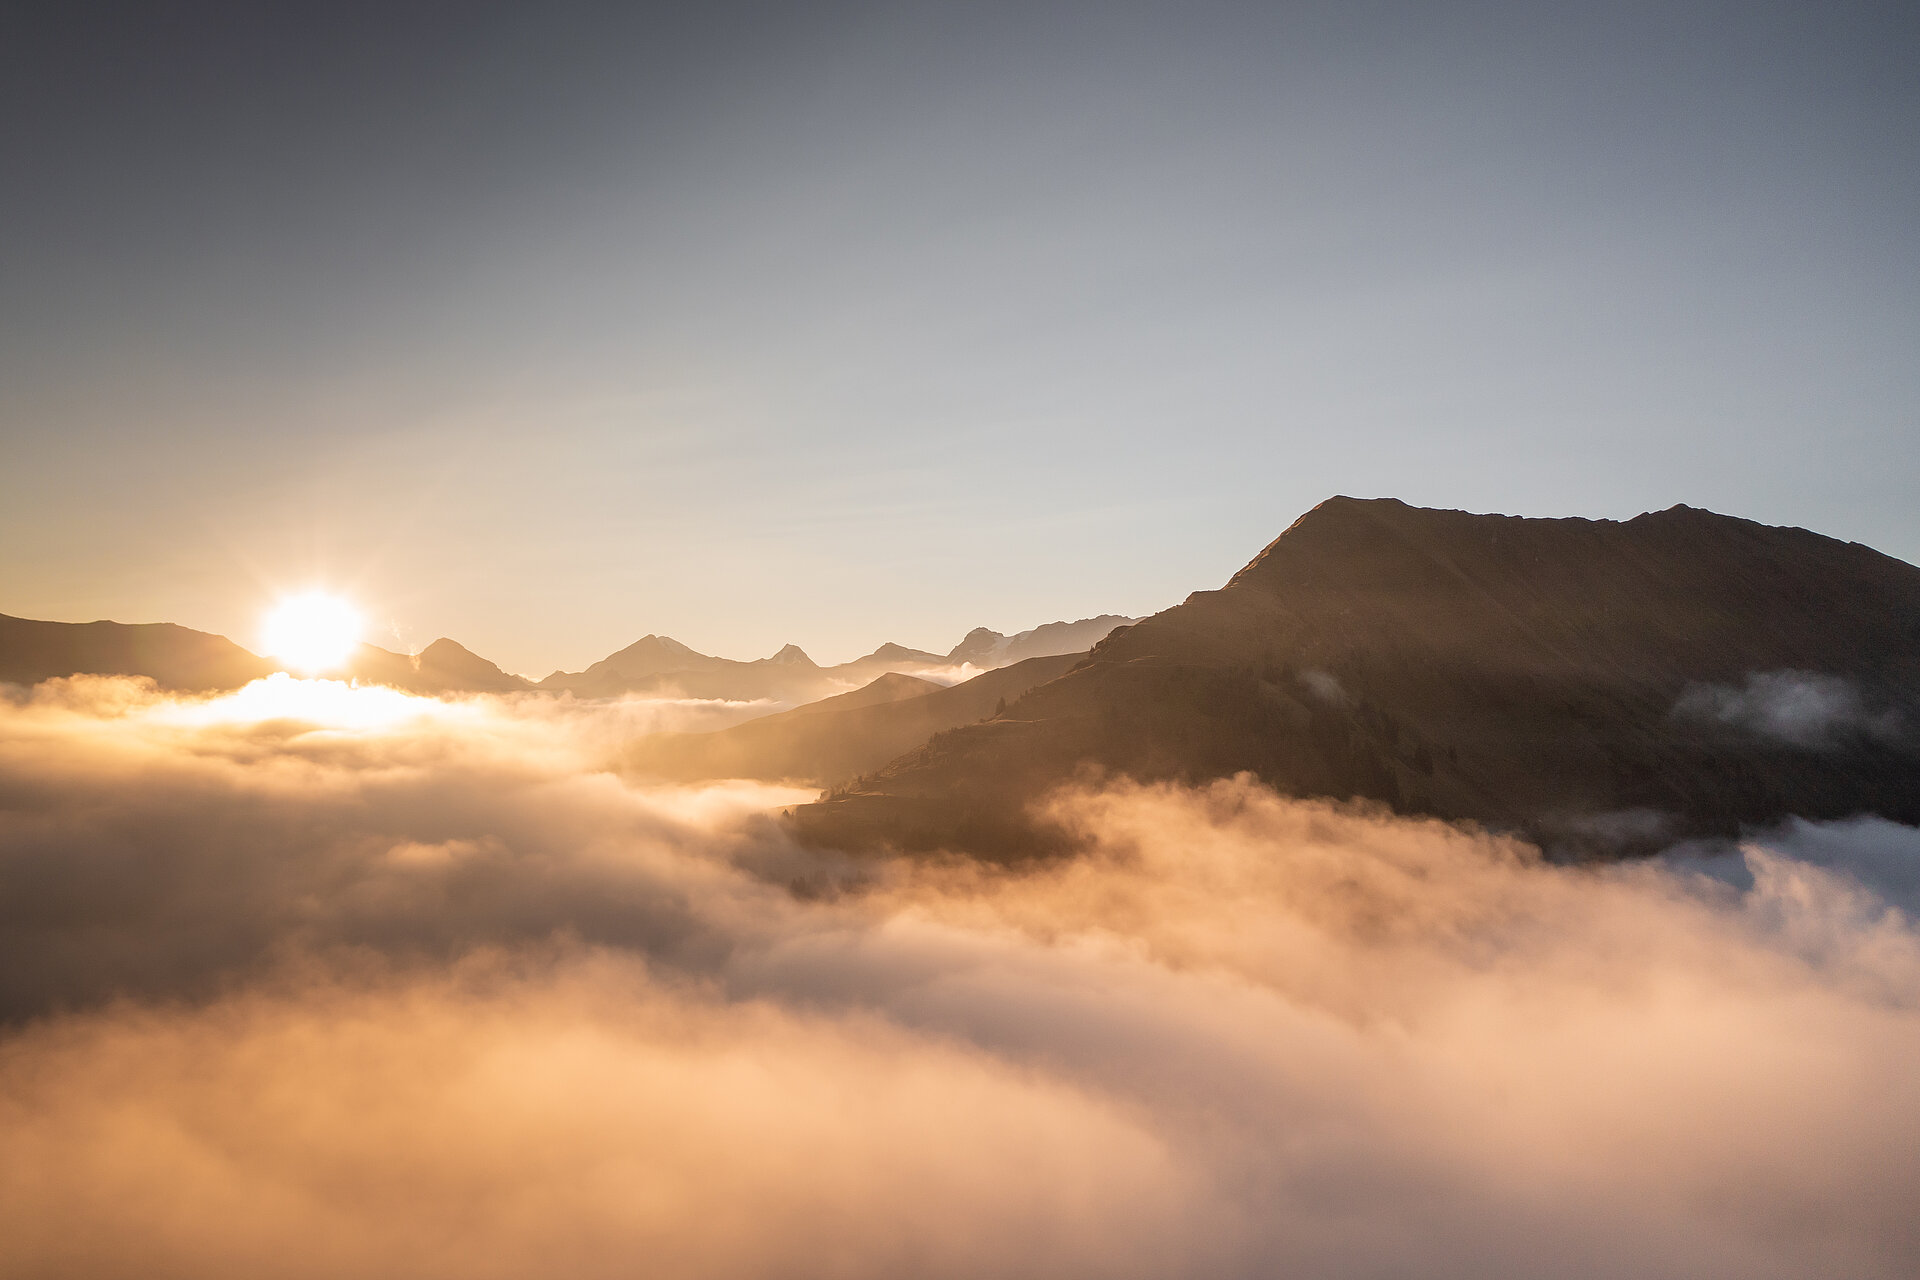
point(894, 686)
point(1599, 685)
point(184, 660)
point(900, 653)
point(986, 649)
point(839, 737)
point(441, 667)
point(187, 661)
point(661, 666)
point(174, 657)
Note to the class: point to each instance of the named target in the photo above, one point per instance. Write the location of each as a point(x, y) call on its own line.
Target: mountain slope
point(174, 656)
point(1582, 680)
point(894, 686)
point(984, 648)
point(442, 667)
point(837, 738)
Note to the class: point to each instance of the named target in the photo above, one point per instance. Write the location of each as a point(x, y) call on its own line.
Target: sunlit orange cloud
point(328, 703)
point(450, 997)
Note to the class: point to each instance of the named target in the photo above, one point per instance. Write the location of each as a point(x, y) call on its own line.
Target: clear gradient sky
point(547, 326)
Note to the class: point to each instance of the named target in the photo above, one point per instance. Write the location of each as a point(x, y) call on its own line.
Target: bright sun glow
point(313, 704)
point(312, 631)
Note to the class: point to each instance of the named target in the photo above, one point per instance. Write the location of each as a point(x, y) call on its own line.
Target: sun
point(312, 632)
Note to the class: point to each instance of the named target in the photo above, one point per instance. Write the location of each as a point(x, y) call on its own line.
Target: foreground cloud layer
point(363, 986)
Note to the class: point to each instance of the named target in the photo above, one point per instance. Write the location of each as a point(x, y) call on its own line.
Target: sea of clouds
point(338, 982)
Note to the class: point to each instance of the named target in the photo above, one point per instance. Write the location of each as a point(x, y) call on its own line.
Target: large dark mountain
point(1593, 683)
point(174, 657)
point(837, 738)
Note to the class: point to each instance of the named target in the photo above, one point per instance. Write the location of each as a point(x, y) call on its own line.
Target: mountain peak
point(652, 655)
point(792, 656)
point(1343, 531)
point(1517, 671)
point(979, 647)
point(663, 646)
point(444, 649)
point(891, 652)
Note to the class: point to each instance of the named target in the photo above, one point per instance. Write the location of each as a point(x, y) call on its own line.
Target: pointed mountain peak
point(459, 667)
point(980, 645)
point(443, 649)
point(666, 644)
point(652, 655)
point(891, 652)
point(792, 656)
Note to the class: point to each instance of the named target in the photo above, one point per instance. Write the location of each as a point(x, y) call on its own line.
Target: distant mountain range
point(1599, 685)
point(657, 664)
point(181, 659)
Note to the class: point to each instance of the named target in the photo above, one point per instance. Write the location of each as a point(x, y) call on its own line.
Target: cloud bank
point(425, 989)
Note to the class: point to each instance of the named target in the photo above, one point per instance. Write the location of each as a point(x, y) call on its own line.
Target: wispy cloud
point(1803, 708)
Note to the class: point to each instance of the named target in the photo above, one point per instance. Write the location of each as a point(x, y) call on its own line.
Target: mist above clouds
point(1882, 857)
point(1325, 687)
point(944, 676)
point(956, 673)
point(1801, 708)
point(441, 994)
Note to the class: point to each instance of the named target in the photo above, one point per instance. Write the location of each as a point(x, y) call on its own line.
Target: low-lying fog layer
point(369, 987)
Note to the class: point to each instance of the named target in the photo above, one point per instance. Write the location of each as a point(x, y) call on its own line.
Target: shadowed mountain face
point(174, 657)
point(836, 738)
point(1598, 684)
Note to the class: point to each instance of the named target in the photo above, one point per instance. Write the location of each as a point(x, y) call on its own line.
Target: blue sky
point(545, 330)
